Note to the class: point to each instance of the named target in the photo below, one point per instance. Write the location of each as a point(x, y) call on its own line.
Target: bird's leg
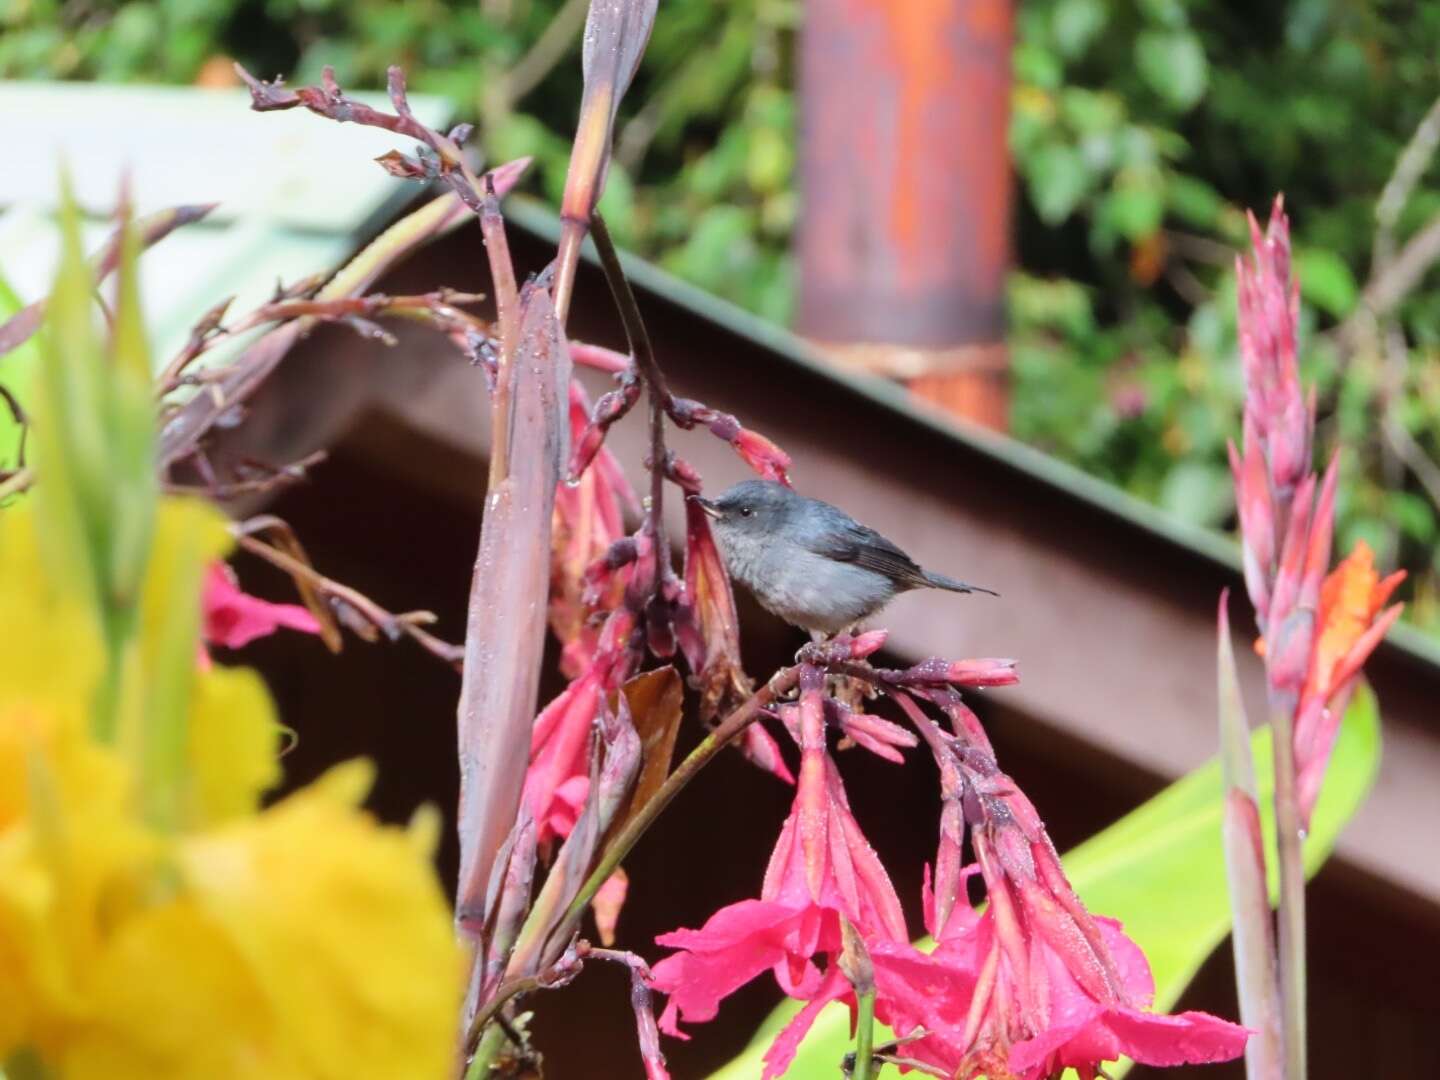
point(849, 691)
point(806, 654)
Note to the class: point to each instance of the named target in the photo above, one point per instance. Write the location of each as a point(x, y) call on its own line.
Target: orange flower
point(1351, 597)
point(1350, 624)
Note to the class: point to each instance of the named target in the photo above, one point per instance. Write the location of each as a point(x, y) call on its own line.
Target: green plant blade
point(1160, 870)
point(1252, 938)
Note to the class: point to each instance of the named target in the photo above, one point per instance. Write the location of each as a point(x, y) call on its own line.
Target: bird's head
point(752, 508)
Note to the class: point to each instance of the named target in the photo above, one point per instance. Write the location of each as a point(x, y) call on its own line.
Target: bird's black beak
point(706, 505)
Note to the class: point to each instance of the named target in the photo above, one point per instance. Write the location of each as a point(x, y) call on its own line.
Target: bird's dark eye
point(745, 511)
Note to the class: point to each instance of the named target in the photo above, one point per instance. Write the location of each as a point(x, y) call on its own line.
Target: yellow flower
point(303, 941)
point(306, 942)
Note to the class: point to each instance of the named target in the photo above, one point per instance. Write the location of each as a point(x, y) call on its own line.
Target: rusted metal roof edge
point(530, 214)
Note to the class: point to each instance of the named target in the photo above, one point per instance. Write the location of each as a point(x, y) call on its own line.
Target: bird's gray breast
point(809, 590)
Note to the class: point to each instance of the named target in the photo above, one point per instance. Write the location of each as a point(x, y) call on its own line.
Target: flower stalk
point(1316, 631)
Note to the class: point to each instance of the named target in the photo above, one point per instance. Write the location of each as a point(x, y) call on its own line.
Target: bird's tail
point(940, 581)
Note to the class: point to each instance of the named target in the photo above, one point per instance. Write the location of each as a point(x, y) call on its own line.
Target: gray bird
point(809, 562)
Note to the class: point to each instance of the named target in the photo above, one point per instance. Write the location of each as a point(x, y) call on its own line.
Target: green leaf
point(1135, 206)
point(71, 454)
point(1058, 180)
point(1074, 24)
point(1326, 280)
point(1173, 63)
point(131, 486)
point(1198, 491)
point(95, 458)
point(1160, 870)
point(1192, 200)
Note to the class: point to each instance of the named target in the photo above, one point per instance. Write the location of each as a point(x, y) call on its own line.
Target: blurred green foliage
point(1140, 131)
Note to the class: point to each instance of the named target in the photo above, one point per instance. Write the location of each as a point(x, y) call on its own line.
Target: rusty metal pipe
point(904, 241)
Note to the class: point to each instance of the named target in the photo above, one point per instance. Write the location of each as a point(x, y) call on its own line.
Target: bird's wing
point(854, 543)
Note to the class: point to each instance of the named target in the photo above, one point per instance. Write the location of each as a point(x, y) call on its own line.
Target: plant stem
point(735, 723)
point(864, 1036)
point(18, 481)
point(1292, 894)
point(490, 1042)
point(657, 389)
point(741, 718)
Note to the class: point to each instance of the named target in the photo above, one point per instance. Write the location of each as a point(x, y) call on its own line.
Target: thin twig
point(1409, 167)
point(439, 308)
point(275, 477)
point(727, 730)
point(22, 420)
point(1402, 274)
point(18, 481)
point(549, 49)
point(1200, 248)
point(447, 162)
point(507, 314)
point(657, 389)
point(389, 624)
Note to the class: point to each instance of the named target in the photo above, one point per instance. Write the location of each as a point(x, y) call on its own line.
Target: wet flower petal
point(234, 619)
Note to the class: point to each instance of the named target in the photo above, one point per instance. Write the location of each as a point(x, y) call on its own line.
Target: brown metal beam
point(1113, 623)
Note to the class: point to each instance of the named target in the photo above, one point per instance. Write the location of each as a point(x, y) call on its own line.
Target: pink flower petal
point(234, 619)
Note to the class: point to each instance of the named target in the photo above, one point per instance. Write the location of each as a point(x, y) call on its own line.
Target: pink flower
point(760, 747)
point(1036, 984)
point(558, 778)
point(1035, 1031)
point(1278, 420)
point(822, 867)
point(1316, 630)
point(762, 455)
point(233, 619)
point(709, 629)
point(587, 522)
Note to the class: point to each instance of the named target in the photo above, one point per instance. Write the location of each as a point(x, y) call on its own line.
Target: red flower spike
point(1257, 522)
point(709, 632)
point(760, 747)
point(608, 902)
point(1317, 630)
point(979, 673)
point(233, 618)
point(1289, 628)
point(822, 867)
point(762, 455)
point(558, 778)
point(867, 644)
point(593, 427)
point(875, 734)
point(1268, 301)
point(990, 671)
point(588, 523)
point(947, 909)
